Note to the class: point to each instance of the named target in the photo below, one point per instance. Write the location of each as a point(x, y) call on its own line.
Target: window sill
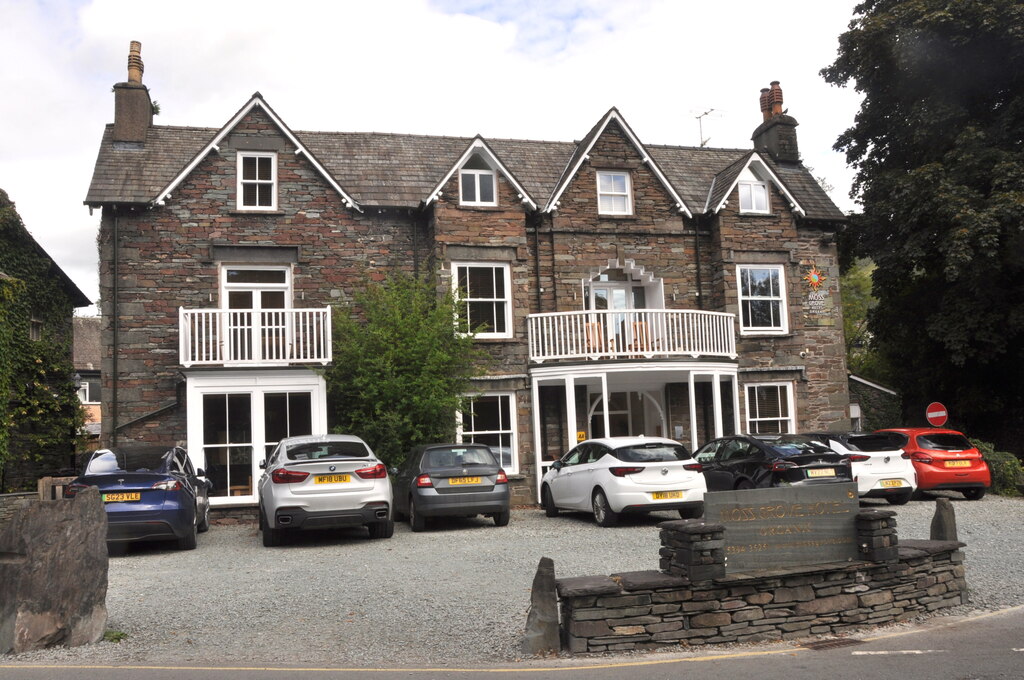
point(767, 334)
point(614, 216)
point(470, 206)
point(753, 213)
point(256, 212)
point(495, 341)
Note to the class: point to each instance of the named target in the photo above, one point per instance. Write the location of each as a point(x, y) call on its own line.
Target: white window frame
point(783, 326)
point(239, 204)
point(506, 269)
point(255, 288)
point(787, 390)
point(628, 193)
point(748, 203)
point(85, 394)
point(475, 175)
point(511, 428)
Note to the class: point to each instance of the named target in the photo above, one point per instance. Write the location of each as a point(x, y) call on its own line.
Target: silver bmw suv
point(323, 482)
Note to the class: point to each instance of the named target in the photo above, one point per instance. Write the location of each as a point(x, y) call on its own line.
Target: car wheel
point(603, 514)
point(189, 540)
point(204, 523)
point(743, 485)
point(901, 499)
point(501, 518)
point(385, 529)
point(690, 513)
point(974, 494)
point(417, 522)
point(550, 509)
point(271, 537)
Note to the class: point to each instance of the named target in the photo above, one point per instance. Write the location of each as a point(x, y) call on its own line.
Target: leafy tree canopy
point(400, 370)
point(938, 145)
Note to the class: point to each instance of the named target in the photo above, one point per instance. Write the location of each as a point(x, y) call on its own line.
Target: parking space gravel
point(456, 594)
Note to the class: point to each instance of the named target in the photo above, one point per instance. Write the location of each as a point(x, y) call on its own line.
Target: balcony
point(247, 337)
point(631, 334)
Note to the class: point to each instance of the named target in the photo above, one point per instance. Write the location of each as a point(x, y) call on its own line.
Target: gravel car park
point(382, 603)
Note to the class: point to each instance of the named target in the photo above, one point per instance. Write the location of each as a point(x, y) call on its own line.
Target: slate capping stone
point(580, 586)
point(928, 547)
point(649, 580)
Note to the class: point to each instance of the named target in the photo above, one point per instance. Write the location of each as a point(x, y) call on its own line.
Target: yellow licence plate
point(121, 497)
point(666, 495)
point(821, 472)
point(463, 480)
point(958, 463)
point(331, 479)
point(889, 483)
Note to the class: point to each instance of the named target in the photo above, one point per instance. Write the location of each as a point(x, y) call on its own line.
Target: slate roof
point(398, 170)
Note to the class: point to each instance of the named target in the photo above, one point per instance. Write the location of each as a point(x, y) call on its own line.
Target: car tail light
point(424, 480)
point(623, 471)
point(168, 485)
point(502, 478)
point(782, 465)
point(858, 458)
point(285, 476)
point(921, 457)
point(378, 471)
point(71, 489)
point(694, 467)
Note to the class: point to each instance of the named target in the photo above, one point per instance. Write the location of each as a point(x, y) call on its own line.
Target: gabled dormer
point(478, 169)
point(257, 186)
point(751, 178)
point(613, 187)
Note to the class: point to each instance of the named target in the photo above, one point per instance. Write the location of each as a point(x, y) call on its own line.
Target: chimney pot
point(135, 67)
point(766, 106)
point(775, 95)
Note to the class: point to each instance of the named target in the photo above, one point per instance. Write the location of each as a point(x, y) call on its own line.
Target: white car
point(323, 482)
point(616, 475)
point(880, 467)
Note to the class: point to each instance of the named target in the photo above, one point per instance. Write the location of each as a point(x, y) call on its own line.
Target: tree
point(862, 358)
point(400, 371)
point(939, 155)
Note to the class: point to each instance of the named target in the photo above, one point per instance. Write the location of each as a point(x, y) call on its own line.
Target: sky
point(522, 69)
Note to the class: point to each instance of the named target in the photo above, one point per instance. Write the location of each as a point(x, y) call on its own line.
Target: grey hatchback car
point(451, 480)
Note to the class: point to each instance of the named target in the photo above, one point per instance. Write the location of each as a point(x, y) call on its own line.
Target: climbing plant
point(40, 415)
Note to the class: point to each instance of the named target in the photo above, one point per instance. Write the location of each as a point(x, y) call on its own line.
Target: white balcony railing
point(247, 337)
point(635, 333)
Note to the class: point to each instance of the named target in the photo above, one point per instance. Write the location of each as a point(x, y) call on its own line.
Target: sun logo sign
point(815, 277)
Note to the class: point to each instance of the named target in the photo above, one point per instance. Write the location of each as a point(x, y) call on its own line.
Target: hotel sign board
point(786, 526)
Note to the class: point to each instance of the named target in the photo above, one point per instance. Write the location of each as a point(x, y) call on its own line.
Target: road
point(981, 647)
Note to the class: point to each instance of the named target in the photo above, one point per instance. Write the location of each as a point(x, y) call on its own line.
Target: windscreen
point(151, 459)
point(458, 456)
point(943, 442)
point(651, 453)
point(872, 442)
point(318, 450)
point(795, 446)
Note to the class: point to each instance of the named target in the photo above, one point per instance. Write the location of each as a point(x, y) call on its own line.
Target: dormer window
point(477, 183)
point(257, 181)
point(753, 194)
point(614, 193)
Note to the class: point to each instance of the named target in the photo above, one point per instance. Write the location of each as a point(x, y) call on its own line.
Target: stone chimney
point(777, 134)
point(133, 109)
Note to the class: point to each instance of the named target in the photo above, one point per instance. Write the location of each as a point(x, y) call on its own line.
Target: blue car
point(150, 494)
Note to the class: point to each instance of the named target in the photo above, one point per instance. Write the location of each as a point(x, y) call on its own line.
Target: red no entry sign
point(936, 414)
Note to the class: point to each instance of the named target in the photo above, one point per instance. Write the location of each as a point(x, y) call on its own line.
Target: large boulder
point(53, 574)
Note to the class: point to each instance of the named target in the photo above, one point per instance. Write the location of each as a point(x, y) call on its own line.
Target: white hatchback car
point(880, 467)
point(616, 475)
point(323, 482)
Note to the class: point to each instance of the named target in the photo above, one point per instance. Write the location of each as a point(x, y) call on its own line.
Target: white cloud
point(523, 69)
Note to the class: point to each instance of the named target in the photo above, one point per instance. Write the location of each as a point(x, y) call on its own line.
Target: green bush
point(1006, 469)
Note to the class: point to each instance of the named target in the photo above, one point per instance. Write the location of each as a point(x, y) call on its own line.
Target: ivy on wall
point(40, 415)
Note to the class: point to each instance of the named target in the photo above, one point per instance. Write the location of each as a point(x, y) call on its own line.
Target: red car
point(945, 460)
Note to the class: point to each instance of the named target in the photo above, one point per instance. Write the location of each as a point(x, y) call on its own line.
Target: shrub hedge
point(1006, 469)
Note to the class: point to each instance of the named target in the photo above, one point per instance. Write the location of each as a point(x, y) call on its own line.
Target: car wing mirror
point(200, 472)
point(557, 465)
point(263, 465)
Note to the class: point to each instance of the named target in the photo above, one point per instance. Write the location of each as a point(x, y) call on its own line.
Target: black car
point(149, 493)
point(451, 480)
point(745, 462)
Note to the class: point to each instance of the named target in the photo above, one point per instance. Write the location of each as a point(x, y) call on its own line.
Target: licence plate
point(889, 483)
point(958, 463)
point(463, 480)
point(821, 472)
point(666, 495)
point(331, 479)
point(121, 497)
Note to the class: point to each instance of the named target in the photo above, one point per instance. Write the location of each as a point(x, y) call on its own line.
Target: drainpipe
point(116, 328)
